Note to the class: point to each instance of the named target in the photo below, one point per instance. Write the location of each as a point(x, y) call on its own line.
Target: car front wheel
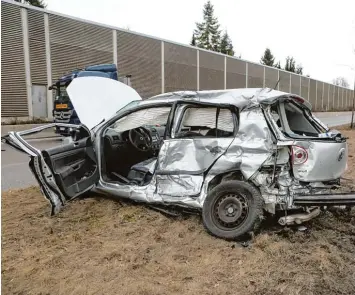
point(232, 209)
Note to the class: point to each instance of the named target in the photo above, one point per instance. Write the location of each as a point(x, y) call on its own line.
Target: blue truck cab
point(63, 111)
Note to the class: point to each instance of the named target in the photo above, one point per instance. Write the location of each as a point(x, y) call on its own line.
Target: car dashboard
point(119, 140)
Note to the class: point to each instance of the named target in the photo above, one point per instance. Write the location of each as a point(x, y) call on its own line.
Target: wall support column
point(26, 50)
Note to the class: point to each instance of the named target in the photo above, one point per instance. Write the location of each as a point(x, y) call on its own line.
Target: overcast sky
point(319, 34)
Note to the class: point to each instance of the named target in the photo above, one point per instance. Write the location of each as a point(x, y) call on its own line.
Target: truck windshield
point(62, 95)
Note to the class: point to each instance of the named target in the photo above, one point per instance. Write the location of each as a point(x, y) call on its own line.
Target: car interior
point(132, 144)
point(293, 122)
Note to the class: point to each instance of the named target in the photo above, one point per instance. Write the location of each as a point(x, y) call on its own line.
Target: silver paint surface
point(186, 168)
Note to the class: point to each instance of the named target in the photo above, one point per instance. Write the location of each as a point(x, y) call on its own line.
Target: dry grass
point(99, 246)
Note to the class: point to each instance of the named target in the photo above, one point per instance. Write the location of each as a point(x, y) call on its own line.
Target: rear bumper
point(325, 199)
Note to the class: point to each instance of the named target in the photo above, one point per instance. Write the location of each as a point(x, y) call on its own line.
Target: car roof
point(241, 98)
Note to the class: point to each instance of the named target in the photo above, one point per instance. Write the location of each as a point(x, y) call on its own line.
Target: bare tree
point(341, 81)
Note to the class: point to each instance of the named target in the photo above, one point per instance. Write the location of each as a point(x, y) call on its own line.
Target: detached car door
point(63, 172)
point(198, 134)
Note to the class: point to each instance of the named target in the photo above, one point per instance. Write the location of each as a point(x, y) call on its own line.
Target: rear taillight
point(298, 99)
point(299, 155)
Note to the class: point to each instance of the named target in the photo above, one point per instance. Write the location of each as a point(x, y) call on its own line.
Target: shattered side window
point(298, 123)
point(149, 116)
point(276, 117)
point(202, 122)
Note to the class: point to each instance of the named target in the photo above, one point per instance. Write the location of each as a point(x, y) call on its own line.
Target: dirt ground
point(99, 246)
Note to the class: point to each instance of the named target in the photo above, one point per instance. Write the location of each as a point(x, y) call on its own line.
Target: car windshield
point(131, 105)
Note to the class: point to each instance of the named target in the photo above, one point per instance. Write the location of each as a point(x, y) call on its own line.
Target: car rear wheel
point(232, 209)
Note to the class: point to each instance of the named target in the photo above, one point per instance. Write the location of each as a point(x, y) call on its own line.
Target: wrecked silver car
point(231, 154)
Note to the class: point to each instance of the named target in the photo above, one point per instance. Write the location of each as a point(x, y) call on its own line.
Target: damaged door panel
point(63, 172)
point(201, 133)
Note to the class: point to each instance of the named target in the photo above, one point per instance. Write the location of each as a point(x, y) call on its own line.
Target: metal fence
point(38, 46)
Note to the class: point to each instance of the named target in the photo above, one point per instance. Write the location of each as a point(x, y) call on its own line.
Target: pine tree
point(290, 65)
point(278, 65)
point(38, 3)
point(299, 70)
point(193, 40)
point(207, 33)
point(268, 59)
point(226, 46)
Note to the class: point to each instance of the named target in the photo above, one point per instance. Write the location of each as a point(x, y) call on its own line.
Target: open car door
point(70, 170)
point(63, 172)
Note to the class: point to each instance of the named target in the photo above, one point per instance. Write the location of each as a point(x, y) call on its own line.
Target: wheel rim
point(230, 211)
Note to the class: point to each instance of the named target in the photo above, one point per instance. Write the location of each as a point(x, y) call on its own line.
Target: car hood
point(96, 98)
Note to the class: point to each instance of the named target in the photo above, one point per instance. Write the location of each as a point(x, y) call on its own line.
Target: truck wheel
point(232, 209)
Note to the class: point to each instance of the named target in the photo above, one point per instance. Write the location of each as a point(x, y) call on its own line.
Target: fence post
point(246, 75)
point(198, 69)
point(264, 78)
point(162, 68)
point(114, 47)
point(225, 72)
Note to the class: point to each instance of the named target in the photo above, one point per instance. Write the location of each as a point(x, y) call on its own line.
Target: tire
point(245, 216)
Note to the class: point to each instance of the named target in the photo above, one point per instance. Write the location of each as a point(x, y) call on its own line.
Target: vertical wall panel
point(284, 84)
point(37, 45)
point(313, 93)
point(326, 98)
point(350, 99)
point(340, 98)
point(180, 67)
point(13, 75)
point(255, 76)
point(304, 87)
point(332, 97)
point(271, 77)
point(75, 45)
point(295, 84)
point(140, 57)
point(211, 71)
point(336, 97)
point(319, 102)
point(235, 73)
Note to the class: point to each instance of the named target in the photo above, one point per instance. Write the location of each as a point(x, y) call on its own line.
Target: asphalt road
point(334, 119)
point(16, 174)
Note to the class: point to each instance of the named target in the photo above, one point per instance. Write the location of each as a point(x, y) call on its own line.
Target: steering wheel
point(140, 138)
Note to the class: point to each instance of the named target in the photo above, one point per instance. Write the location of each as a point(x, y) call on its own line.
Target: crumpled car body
point(231, 154)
